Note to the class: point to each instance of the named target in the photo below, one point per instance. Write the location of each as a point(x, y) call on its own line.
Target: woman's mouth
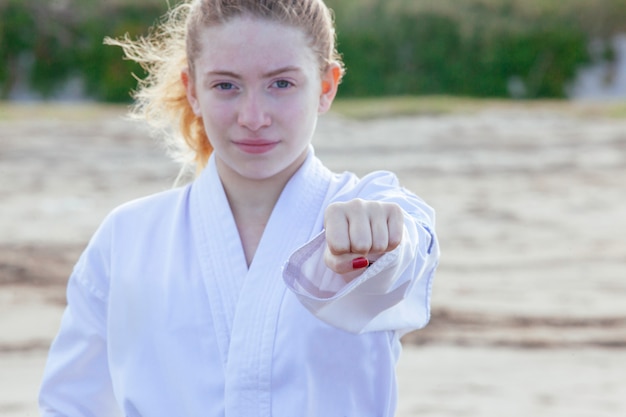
point(256, 146)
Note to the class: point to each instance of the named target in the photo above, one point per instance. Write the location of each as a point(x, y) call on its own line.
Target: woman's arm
point(76, 379)
point(393, 293)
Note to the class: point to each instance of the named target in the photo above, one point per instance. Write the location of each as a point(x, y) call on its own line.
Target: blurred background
point(478, 48)
point(507, 116)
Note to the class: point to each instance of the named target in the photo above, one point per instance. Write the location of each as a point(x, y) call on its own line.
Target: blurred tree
point(107, 75)
point(53, 42)
point(16, 39)
point(391, 47)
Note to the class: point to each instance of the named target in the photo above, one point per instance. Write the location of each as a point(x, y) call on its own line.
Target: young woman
point(268, 286)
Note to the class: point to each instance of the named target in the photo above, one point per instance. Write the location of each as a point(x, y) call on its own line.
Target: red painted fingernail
point(359, 263)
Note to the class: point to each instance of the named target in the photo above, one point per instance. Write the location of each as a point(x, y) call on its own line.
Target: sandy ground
point(530, 299)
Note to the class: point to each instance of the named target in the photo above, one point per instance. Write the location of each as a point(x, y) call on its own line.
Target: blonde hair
point(172, 45)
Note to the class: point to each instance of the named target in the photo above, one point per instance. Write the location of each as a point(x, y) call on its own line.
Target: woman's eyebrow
point(222, 73)
point(273, 73)
point(289, 68)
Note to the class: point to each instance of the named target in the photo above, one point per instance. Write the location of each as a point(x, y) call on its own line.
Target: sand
point(529, 303)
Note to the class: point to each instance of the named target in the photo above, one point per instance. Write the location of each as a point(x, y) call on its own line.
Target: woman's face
point(258, 88)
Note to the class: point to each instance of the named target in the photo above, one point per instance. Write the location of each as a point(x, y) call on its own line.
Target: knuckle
point(360, 248)
point(338, 249)
point(395, 240)
point(356, 202)
point(337, 245)
point(332, 213)
point(395, 236)
point(362, 245)
point(379, 247)
point(393, 209)
point(355, 205)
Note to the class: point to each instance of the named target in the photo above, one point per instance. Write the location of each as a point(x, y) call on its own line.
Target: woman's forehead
point(252, 43)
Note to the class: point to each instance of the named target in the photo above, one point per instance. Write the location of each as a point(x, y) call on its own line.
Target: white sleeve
point(392, 294)
point(76, 379)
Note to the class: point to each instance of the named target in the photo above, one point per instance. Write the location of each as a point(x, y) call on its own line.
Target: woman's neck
point(251, 203)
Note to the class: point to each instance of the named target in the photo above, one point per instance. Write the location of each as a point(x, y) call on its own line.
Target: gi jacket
point(164, 318)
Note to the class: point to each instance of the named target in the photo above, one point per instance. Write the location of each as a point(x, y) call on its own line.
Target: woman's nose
point(253, 112)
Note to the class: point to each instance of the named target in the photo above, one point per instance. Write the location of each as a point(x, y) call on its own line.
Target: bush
point(427, 53)
point(52, 44)
point(390, 47)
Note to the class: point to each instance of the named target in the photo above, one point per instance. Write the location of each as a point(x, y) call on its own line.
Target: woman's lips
point(256, 146)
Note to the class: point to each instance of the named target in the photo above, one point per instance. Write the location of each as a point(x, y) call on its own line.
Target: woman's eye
point(282, 84)
point(225, 86)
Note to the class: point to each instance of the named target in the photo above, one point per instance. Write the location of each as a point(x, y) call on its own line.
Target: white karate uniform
point(164, 317)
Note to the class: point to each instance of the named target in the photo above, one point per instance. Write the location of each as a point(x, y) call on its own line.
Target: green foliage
point(397, 51)
point(544, 60)
point(54, 41)
point(13, 40)
point(391, 47)
point(408, 54)
point(107, 75)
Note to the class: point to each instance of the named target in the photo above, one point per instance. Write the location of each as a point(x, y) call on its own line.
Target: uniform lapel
point(221, 256)
point(244, 303)
point(296, 218)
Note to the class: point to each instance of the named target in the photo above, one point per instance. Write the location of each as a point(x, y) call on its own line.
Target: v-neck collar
point(234, 290)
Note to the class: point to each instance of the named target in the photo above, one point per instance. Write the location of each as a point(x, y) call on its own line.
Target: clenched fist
point(359, 232)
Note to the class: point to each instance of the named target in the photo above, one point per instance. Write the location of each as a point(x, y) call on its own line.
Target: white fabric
point(165, 319)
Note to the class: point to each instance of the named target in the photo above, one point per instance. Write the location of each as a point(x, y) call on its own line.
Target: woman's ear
point(330, 83)
point(190, 89)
